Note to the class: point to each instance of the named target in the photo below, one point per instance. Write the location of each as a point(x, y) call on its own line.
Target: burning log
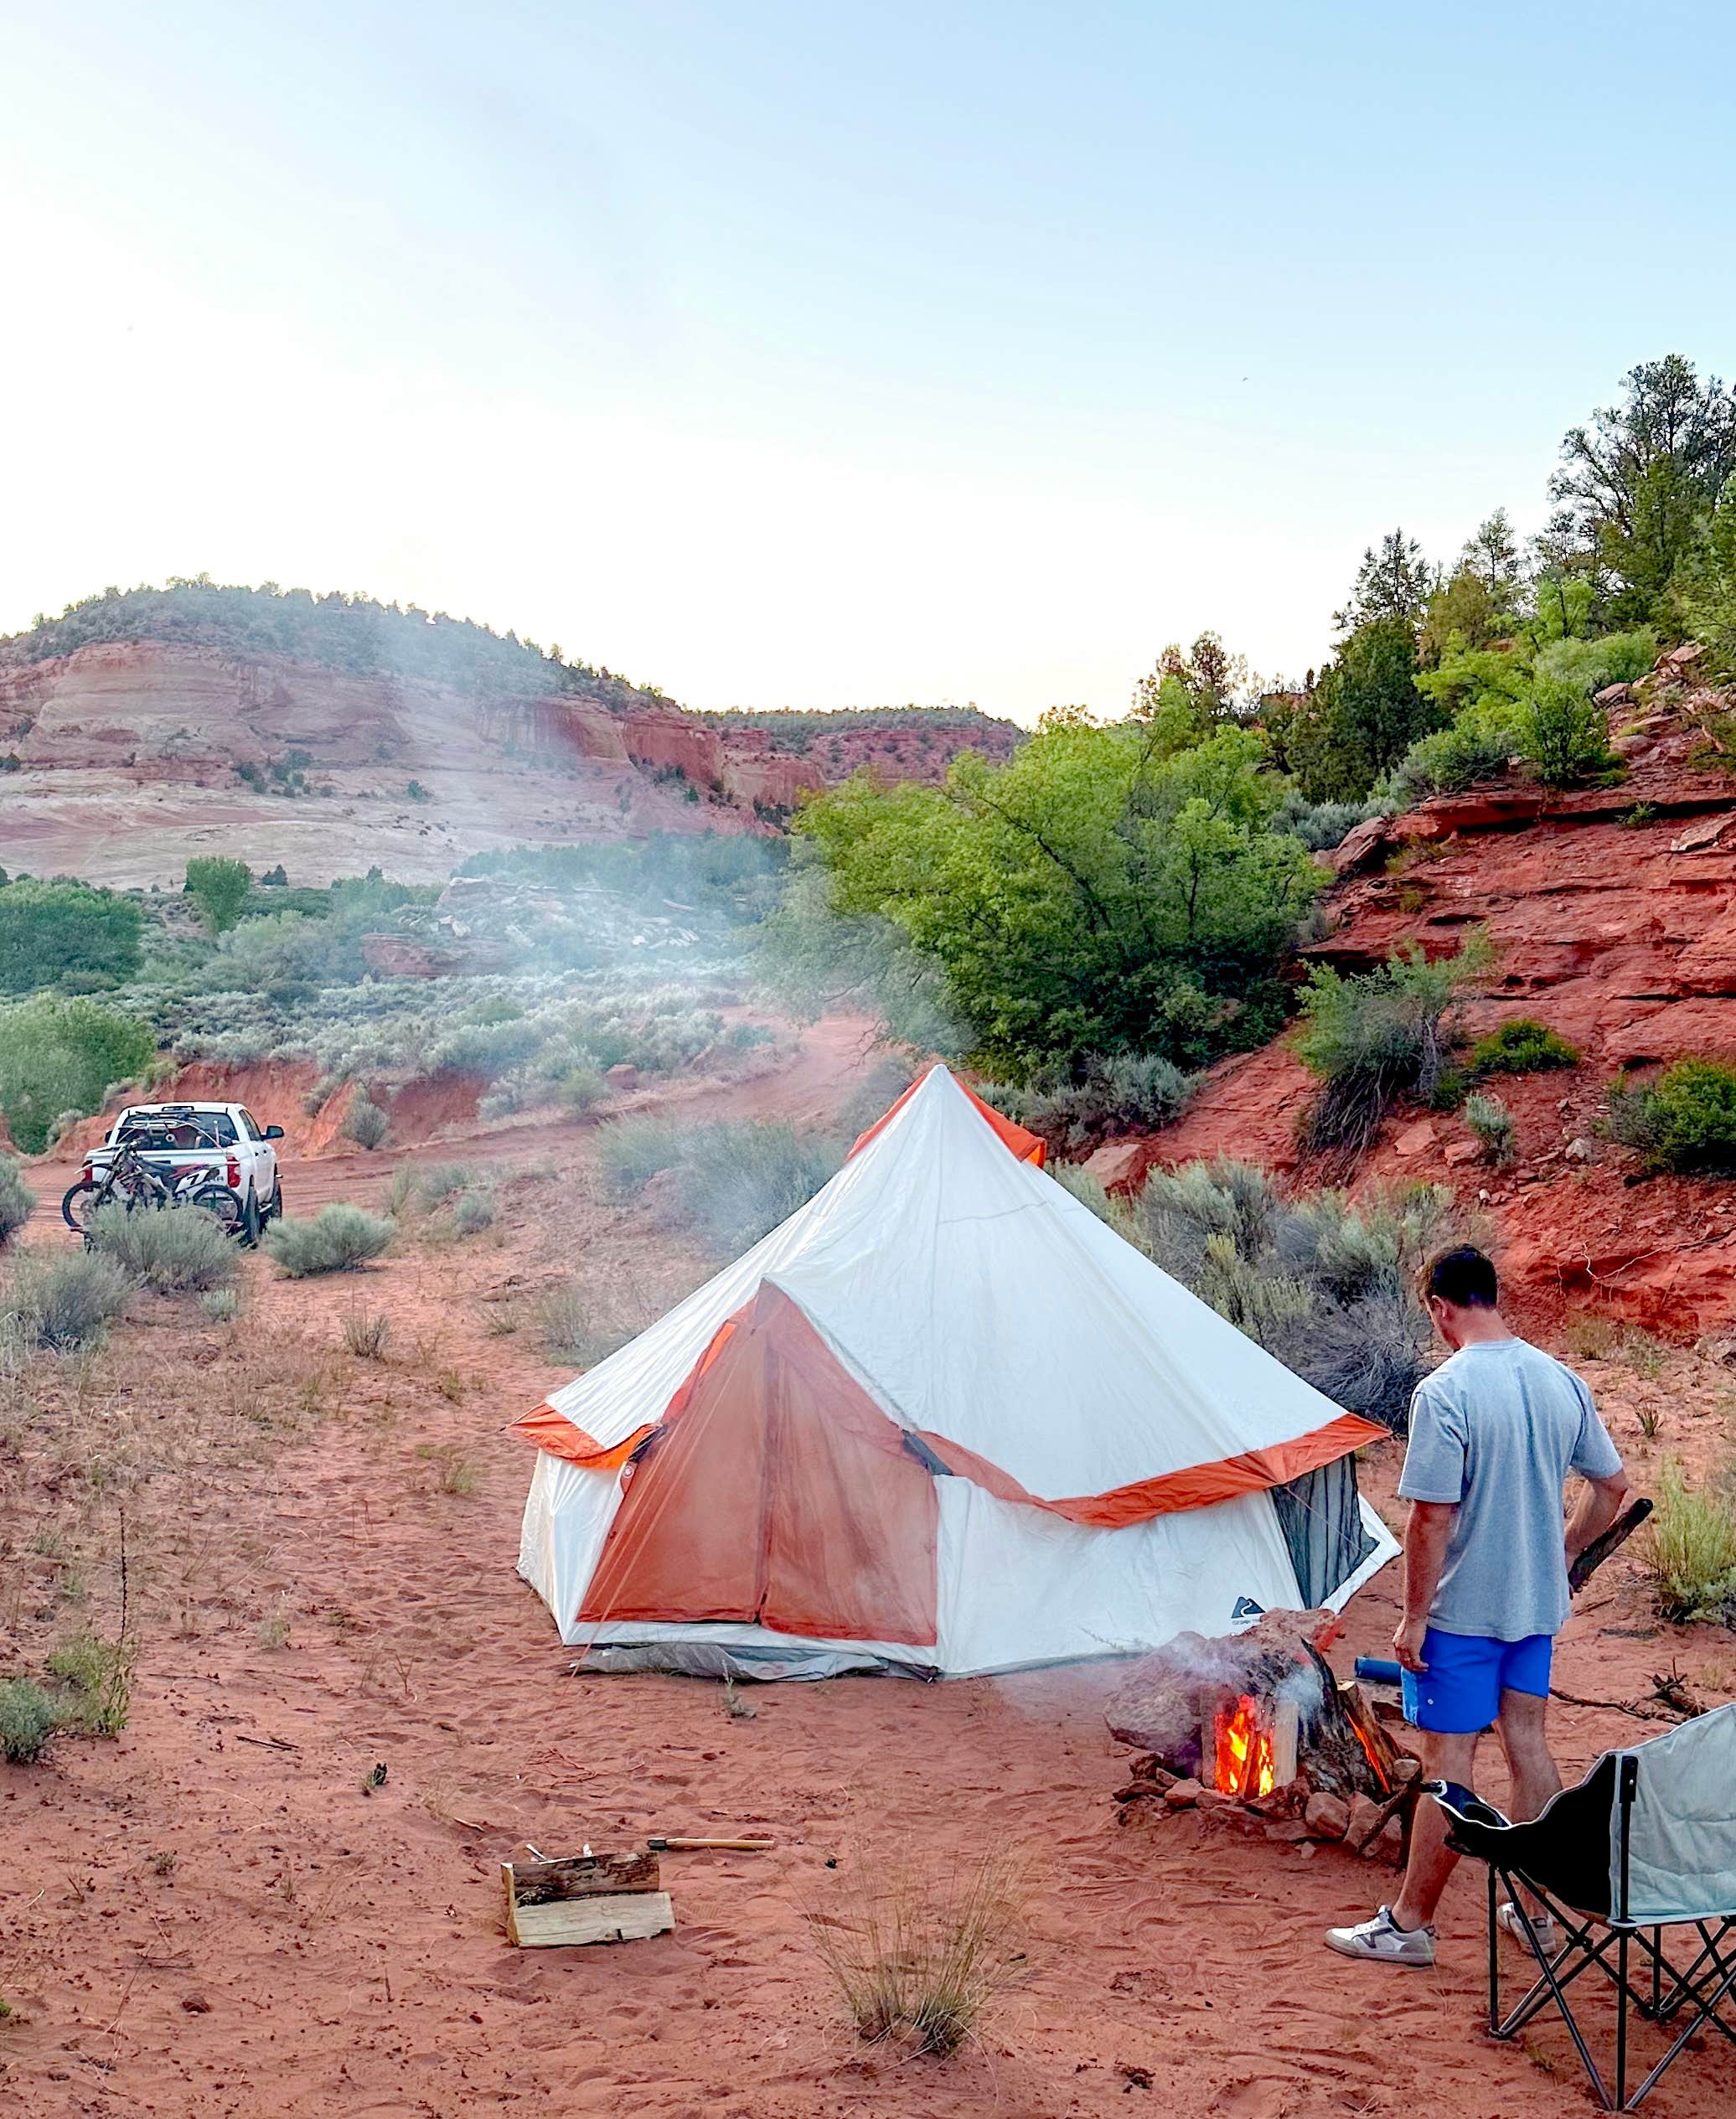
point(1259, 1718)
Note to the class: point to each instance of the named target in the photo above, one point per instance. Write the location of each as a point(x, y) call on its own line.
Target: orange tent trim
point(1027, 1147)
point(1199, 1486)
point(546, 1428)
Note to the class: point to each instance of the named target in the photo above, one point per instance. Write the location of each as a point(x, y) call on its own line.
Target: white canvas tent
point(943, 1420)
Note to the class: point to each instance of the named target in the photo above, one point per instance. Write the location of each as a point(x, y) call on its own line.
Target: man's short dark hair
point(1464, 1277)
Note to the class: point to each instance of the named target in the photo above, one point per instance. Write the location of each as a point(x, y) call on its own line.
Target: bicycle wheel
point(79, 1204)
point(219, 1201)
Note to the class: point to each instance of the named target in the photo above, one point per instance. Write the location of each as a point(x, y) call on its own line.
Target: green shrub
point(338, 1239)
point(1492, 1123)
point(18, 1202)
point(580, 1089)
point(59, 1056)
point(632, 1149)
point(1563, 731)
point(366, 1123)
point(1479, 746)
point(27, 1719)
point(65, 1302)
point(49, 931)
point(177, 1250)
point(441, 1182)
point(98, 1677)
point(472, 1212)
point(1522, 1046)
point(1686, 1122)
point(219, 887)
point(1375, 1037)
point(1691, 1549)
point(222, 1305)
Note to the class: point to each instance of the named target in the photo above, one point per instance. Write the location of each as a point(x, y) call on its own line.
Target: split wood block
point(585, 1897)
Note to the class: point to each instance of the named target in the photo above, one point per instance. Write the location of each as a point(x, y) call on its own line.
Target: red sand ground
point(209, 1915)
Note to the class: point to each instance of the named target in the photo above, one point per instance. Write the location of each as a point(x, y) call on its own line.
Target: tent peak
point(1026, 1146)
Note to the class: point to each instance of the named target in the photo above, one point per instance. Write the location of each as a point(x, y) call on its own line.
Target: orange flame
point(1243, 1762)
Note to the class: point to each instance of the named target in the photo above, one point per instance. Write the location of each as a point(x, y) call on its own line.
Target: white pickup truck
point(189, 1146)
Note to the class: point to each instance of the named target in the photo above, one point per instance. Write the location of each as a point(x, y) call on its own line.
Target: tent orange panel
point(776, 1493)
point(545, 1428)
point(1199, 1486)
point(1026, 1146)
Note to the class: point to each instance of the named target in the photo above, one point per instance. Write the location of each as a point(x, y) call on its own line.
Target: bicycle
point(138, 1186)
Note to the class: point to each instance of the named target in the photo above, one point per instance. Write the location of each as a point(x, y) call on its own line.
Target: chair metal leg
point(1621, 2021)
point(1493, 1952)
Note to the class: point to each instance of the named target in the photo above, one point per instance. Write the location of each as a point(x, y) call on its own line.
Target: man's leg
point(1522, 1738)
point(1532, 1771)
point(1446, 1757)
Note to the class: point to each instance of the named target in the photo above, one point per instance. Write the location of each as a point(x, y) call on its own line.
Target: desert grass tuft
point(97, 1676)
point(366, 1333)
point(923, 1956)
point(1691, 1551)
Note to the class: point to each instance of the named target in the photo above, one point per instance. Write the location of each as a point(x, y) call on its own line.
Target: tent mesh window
point(1322, 1519)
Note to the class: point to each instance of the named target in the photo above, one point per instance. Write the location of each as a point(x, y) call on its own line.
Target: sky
point(817, 355)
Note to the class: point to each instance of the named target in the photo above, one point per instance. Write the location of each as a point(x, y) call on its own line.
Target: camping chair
point(1646, 1841)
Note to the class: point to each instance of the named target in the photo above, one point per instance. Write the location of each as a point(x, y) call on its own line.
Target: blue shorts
point(1461, 1691)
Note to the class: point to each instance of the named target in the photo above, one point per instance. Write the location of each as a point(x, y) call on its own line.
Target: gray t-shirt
point(1496, 1430)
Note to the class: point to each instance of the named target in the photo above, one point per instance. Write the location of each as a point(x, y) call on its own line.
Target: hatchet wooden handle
point(658, 1845)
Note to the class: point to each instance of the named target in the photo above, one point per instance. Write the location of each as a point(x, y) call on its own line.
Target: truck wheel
point(220, 1201)
point(252, 1221)
point(274, 1212)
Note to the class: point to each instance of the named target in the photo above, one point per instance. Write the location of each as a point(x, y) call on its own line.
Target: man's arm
point(1599, 1505)
point(1425, 1554)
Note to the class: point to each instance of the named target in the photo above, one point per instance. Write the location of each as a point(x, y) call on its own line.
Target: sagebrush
point(1328, 1287)
point(62, 1302)
point(175, 1250)
point(1376, 1037)
point(18, 1202)
point(339, 1238)
point(736, 1180)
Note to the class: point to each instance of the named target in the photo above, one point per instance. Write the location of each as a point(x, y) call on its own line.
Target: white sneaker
point(1382, 1939)
point(1515, 1922)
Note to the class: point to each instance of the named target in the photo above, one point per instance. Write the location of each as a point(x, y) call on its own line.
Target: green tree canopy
point(1634, 488)
point(59, 1056)
point(220, 886)
point(1091, 894)
point(1394, 581)
point(1363, 714)
point(49, 929)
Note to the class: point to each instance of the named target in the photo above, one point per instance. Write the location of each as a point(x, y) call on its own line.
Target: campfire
point(1257, 1723)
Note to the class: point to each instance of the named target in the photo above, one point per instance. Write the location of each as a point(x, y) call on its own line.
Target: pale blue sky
point(813, 354)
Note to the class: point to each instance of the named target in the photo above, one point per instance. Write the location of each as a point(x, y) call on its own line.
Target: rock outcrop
point(1613, 914)
point(122, 759)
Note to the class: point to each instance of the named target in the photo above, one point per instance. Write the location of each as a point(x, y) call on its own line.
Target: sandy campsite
point(217, 1913)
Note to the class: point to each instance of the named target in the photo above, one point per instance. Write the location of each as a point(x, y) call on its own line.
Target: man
point(1494, 1432)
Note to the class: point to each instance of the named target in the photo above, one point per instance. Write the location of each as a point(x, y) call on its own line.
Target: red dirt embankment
point(1613, 914)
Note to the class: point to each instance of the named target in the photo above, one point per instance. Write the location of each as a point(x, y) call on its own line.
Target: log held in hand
point(1599, 1549)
